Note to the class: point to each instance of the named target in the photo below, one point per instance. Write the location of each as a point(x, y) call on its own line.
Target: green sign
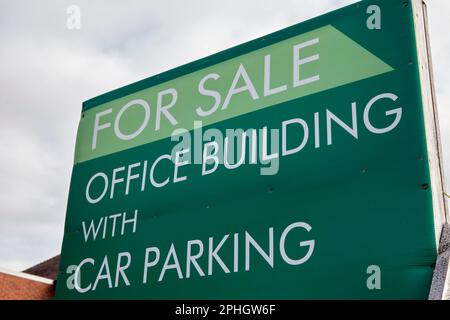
point(300, 165)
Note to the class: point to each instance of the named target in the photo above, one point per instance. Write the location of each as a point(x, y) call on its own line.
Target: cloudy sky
point(46, 71)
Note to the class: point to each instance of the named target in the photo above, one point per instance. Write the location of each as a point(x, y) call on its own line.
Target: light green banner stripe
point(341, 61)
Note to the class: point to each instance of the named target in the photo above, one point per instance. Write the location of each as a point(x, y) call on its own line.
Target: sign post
point(302, 165)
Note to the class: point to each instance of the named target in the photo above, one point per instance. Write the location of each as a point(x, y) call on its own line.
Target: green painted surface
point(341, 61)
point(362, 197)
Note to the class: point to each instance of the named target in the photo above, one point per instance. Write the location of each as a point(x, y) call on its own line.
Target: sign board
point(301, 165)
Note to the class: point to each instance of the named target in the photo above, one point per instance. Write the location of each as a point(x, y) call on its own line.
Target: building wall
point(14, 287)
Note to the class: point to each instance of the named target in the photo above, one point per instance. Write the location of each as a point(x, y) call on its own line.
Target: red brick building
point(35, 283)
